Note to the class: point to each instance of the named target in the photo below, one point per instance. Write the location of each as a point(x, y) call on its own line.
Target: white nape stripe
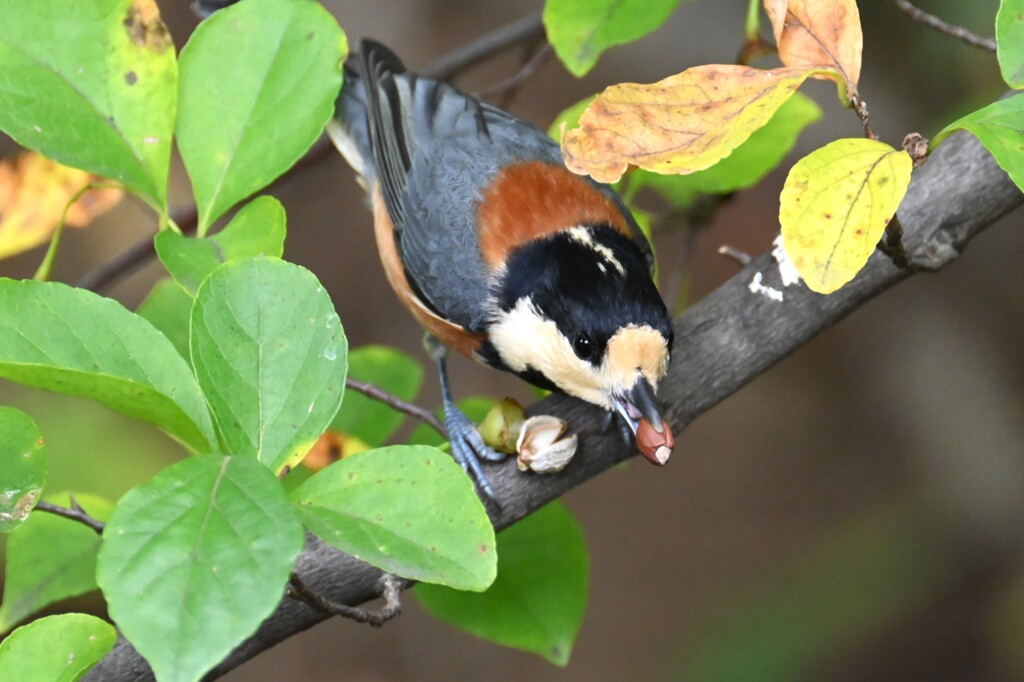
point(582, 235)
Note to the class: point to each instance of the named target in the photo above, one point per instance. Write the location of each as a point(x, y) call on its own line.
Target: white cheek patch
point(525, 339)
point(583, 236)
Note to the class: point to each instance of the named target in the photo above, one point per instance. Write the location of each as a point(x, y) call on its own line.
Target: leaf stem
point(753, 27)
point(935, 23)
point(754, 46)
point(42, 273)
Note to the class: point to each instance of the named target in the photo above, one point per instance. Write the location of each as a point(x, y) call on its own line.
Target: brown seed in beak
point(656, 447)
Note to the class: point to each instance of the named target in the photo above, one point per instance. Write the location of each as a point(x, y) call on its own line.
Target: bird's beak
point(639, 408)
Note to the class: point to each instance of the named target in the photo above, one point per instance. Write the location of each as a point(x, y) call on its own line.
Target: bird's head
point(577, 311)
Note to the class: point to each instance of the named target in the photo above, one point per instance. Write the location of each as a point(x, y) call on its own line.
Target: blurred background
point(857, 513)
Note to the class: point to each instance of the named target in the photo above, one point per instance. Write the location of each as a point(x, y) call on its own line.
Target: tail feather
point(348, 129)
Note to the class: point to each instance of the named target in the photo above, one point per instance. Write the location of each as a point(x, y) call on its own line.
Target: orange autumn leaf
point(819, 33)
point(682, 124)
point(330, 447)
point(34, 191)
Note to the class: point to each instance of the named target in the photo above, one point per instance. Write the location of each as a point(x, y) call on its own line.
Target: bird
point(501, 253)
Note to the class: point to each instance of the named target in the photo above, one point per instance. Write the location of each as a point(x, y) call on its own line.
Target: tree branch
point(934, 22)
point(722, 343)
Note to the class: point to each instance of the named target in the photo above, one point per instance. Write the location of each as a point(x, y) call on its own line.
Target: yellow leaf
point(835, 206)
point(685, 123)
point(34, 192)
point(819, 33)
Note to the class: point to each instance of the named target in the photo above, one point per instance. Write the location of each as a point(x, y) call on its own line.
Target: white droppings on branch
point(787, 271)
point(787, 274)
point(757, 287)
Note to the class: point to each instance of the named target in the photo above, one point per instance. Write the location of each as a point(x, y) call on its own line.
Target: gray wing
point(435, 150)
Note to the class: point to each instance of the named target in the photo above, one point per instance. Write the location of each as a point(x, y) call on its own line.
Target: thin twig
point(186, 219)
point(958, 32)
point(510, 84)
point(691, 220)
point(391, 588)
point(740, 257)
point(524, 30)
point(75, 513)
point(371, 391)
point(860, 107)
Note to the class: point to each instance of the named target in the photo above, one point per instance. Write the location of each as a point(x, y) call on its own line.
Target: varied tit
point(503, 254)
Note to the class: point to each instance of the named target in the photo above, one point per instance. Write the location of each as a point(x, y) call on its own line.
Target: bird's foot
point(468, 447)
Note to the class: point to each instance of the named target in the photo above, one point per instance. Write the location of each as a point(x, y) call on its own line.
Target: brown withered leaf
point(682, 124)
point(34, 192)
point(819, 33)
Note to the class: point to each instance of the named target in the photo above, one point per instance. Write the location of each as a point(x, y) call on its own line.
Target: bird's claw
point(469, 449)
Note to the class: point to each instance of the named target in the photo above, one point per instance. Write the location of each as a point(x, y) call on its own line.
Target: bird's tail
point(349, 129)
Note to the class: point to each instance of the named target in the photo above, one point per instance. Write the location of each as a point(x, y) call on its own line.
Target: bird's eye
point(582, 346)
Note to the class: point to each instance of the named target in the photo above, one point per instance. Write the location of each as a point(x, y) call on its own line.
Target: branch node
point(860, 107)
point(75, 513)
point(916, 145)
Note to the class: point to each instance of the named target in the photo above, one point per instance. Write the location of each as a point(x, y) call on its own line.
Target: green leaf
point(258, 84)
point(1010, 41)
point(1000, 127)
point(73, 341)
point(386, 368)
point(194, 559)
point(167, 307)
point(92, 85)
point(537, 601)
point(408, 509)
point(475, 407)
point(257, 230)
point(50, 558)
point(271, 356)
point(56, 649)
point(835, 206)
point(747, 165)
point(580, 30)
point(24, 464)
